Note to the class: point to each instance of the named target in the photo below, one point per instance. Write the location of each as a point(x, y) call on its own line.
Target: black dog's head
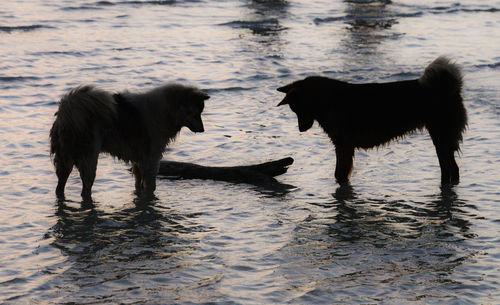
point(298, 97)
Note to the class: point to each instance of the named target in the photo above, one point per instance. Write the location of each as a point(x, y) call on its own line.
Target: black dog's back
point(367, 115)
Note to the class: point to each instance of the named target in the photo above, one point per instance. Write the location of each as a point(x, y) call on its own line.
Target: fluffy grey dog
point(133, 127)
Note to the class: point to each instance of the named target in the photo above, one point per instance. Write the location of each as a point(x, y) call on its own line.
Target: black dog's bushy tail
point(79, 112)
point(444, 75)
point(449, 119)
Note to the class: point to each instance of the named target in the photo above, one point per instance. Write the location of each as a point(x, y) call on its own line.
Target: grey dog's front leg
point(137, 171)
point(149, 172)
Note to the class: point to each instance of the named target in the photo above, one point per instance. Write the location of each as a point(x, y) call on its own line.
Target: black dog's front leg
point(343, 168)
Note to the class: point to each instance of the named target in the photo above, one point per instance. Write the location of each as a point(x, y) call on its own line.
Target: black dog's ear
point(283, 102)
point(285, 89)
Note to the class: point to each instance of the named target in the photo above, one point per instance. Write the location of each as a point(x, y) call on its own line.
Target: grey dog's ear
point(203, 95)
point(285, 89)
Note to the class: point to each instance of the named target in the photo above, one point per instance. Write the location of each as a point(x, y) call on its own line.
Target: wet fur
point(370, 115)
point(133, 127)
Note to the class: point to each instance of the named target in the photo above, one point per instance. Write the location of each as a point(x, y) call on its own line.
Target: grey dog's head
point(185, 106)
point(192, 109)
point(298, 98)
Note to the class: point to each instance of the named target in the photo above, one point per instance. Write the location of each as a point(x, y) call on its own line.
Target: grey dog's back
point(80, 111)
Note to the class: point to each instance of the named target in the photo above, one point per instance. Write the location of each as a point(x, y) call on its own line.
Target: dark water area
point(393, 237)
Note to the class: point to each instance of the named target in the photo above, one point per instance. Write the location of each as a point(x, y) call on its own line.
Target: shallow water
point(394, 237)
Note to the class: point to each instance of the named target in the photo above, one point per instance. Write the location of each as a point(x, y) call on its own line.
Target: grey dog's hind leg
point(87, 167)
point(63, 170)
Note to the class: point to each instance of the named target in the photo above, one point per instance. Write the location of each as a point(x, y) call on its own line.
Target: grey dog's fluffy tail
point(80, 112)
point(443, 74)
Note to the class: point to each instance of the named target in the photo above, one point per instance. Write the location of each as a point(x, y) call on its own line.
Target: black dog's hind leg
point(343, 168)
point(445, 149)
point(63, 170)
point(449, 168)
point(454, 172)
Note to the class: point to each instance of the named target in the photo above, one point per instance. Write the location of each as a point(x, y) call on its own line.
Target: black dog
point(133, 127)
point(369, 115)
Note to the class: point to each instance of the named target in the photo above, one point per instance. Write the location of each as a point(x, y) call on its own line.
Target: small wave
point(402, 76)
point(408, 15)
point(262, 27)
point(495, 65)
point(369, 2)
point(68, 53)
point(22, 28)
point(251, 23)
point(319, 21)
point(390, 17)
point(486, 10)
point(82, 7)
point(440, 10)
point(157, 2)
point(384, 21)
point(373, 23)
point(105, 3)
point(89, 6)
point(381, 2)
point(9, 79)
point(228, 89)
point(100, 4)
point(458, 8)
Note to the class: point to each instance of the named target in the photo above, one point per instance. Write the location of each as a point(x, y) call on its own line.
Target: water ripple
point(16, 79)
point(259, 27)
point(103, 4)
point(23, 28)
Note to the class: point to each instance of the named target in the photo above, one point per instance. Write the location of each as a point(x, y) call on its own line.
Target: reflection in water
point(369, 24)
point(366, 16)
point(405, 249)
point(262, 18)
point(447, 207)
point(141, 243)
point(444, 210)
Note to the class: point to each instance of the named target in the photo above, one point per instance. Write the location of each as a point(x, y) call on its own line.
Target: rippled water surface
point(394, 237)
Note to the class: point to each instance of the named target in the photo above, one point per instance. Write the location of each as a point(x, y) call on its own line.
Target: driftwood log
point(257, 174)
